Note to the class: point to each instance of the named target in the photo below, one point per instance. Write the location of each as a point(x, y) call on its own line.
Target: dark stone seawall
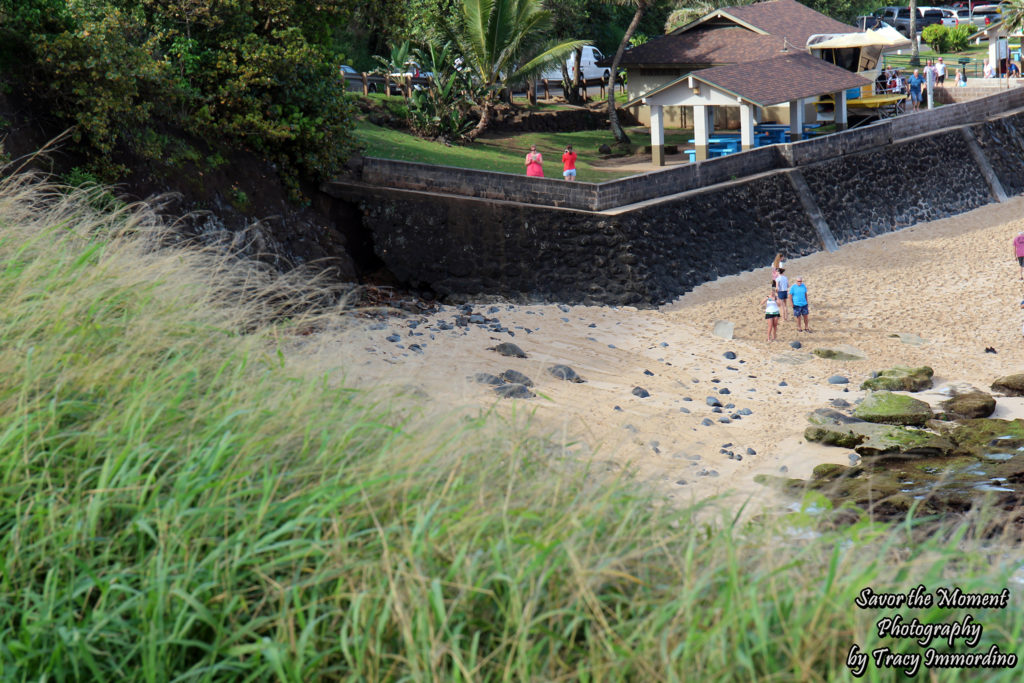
point(644, 257)
point(1002, 143)
point(649, 253)
point(896, 186)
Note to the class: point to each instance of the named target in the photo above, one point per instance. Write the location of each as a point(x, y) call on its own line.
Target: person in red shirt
point(569, 163)
point(1018, 251)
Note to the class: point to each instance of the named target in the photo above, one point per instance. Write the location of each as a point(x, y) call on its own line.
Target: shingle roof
point(789, 19)
point(705, 46)
point(773, 81)
point(723, 37)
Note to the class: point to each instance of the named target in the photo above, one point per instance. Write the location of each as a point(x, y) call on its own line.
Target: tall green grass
point(181, 500)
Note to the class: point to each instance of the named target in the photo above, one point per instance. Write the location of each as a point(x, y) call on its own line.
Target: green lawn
point(505, 153)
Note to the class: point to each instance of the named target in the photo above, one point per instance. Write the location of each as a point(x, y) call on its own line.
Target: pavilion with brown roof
point(752, 86)
point(745, 34)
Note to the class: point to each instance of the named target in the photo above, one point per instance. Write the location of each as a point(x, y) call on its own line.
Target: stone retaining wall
point(885, 189)
point(651, 255)
point(857, 184)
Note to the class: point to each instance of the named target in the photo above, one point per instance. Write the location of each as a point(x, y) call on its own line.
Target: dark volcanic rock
point(566, 373)
point(513, 391)
point(514, 377)
point(508, 349)
point(641, 392)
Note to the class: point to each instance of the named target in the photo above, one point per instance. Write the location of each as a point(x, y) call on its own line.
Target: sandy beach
point(952, 282)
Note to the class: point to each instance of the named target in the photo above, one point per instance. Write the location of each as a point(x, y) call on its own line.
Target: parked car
point(870, 21)
point(899, 17)
point(949, 17)
point(981, 17)
point(588, 66)
point(354, 80)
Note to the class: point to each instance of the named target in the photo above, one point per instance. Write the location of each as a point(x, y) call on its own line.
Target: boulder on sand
point(895, 409)
point(1011, 385)
point(966, 403)
point(901, 378)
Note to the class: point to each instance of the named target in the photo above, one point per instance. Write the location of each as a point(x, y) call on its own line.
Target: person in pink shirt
point(533, 163)
point(1018, 251)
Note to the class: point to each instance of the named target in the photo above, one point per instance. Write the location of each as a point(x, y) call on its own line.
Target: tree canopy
point(142, 76)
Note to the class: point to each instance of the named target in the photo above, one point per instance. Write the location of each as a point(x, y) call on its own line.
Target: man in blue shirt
point(915, 82)
point(798, 293)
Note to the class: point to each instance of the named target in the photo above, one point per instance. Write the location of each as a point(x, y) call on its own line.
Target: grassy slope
point(181, 500)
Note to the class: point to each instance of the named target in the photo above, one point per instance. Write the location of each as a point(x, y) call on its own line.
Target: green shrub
point(937, 36)
point(959, 37)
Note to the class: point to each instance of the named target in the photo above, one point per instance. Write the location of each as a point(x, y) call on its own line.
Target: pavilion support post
point(700, 131)
point(657, 135)
point(840, 112)
point(796, 120)
point(746, 126)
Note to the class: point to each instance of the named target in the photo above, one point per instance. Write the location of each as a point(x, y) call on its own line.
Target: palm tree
point(1013, 16)
point(613, 114)
point(496, 36)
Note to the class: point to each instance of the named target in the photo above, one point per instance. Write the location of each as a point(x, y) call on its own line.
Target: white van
point(588, 65)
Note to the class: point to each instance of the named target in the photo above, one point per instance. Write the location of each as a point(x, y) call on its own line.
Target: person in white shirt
point(988, 72)
point(940, 72)
point(782, 291)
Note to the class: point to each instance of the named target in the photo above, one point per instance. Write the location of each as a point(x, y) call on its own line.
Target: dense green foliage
point(145, 76)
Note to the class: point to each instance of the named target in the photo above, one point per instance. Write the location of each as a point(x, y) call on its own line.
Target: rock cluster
point(909, 457)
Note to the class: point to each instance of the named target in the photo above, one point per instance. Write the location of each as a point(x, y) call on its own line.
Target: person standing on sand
point(1018, 251)
point(782, 290)
point(775, 268)
point(533, 163)
point(798, 293)
point(771, 314)
point(569, 163)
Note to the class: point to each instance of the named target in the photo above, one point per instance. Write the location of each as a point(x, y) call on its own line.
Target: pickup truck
point(899, 17)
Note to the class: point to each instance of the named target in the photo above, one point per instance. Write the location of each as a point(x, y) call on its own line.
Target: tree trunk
point(571, 94)
point(613, 114)
point(915, 58)
point(486, 116)
point(577, 77)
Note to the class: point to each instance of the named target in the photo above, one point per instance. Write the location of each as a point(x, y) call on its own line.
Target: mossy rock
point(896, 409)
point(840, 352)
point(986, 435)
point(1011, 385)
point(868, 439)
point(894, 441)
point(833, 437)
point(901, 378)
point(968, 405)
